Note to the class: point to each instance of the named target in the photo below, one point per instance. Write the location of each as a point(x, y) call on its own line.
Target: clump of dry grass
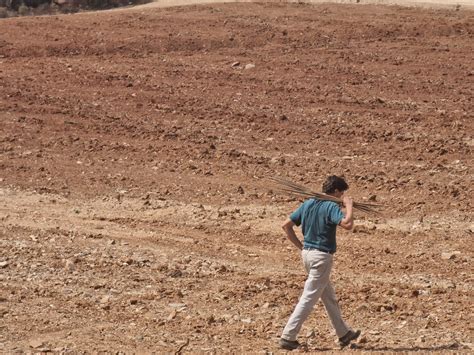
point(301, 191)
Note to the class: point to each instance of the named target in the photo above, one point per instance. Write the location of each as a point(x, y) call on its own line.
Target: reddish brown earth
point(134, 151)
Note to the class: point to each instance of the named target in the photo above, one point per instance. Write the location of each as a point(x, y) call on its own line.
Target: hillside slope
point(135, 148)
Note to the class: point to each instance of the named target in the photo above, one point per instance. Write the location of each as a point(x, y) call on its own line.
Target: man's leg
point(318, 278)
point(334, 312)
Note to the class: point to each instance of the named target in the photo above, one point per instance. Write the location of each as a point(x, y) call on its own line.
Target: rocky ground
point(135, 148)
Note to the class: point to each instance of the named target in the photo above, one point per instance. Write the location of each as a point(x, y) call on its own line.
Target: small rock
point(235, 64)
point(470, 229)
point(450, 255)
point(3, 264)
point(360, 228)
point(418, 314)
point(178, 305)
point(69, 265)
point(362, 340)
point(246, 320)
point(445, 284)
point(402, 324)
point(175, 273)
point(172, 315)
point(421, 339)
point(425, 292)
point(374, 332)
point(310, 334)
point(240, 190)
point(249, 66)
point(35, 343)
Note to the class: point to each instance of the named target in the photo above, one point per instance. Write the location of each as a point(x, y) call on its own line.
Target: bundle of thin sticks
point(301, 191)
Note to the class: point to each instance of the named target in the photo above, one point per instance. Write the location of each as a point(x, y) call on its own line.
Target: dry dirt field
point(135, 148)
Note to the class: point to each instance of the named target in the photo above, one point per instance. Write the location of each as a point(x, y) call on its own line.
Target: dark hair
point(334, 183)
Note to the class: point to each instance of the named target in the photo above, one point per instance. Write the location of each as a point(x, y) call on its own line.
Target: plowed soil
point(135, 147)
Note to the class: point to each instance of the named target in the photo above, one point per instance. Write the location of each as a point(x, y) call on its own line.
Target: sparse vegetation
point(41, 7)
point(3, 12)
point(23, 10)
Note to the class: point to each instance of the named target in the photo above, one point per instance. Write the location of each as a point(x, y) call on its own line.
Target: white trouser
point(318, 285)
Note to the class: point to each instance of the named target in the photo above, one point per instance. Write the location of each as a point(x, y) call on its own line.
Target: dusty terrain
point(134, 151)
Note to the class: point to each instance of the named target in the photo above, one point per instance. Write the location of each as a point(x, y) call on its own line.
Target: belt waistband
point(322, 251)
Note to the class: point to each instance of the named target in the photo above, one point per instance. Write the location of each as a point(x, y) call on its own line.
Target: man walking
point(319, 220)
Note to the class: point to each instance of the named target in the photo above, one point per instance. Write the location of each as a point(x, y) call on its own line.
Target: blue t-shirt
point(318, 220)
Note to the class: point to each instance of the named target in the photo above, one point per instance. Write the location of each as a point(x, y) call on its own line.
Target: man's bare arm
point(291, 235)
point(348, 220)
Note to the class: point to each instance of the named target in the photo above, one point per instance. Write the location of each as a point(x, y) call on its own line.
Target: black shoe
point(288, 344)
point(350, 336)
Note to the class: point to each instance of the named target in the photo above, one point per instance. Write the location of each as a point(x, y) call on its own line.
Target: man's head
point(335, 185)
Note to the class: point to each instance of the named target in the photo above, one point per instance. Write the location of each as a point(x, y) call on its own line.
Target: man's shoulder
point(329, 205)
point(308, 202)
point(322, 204)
